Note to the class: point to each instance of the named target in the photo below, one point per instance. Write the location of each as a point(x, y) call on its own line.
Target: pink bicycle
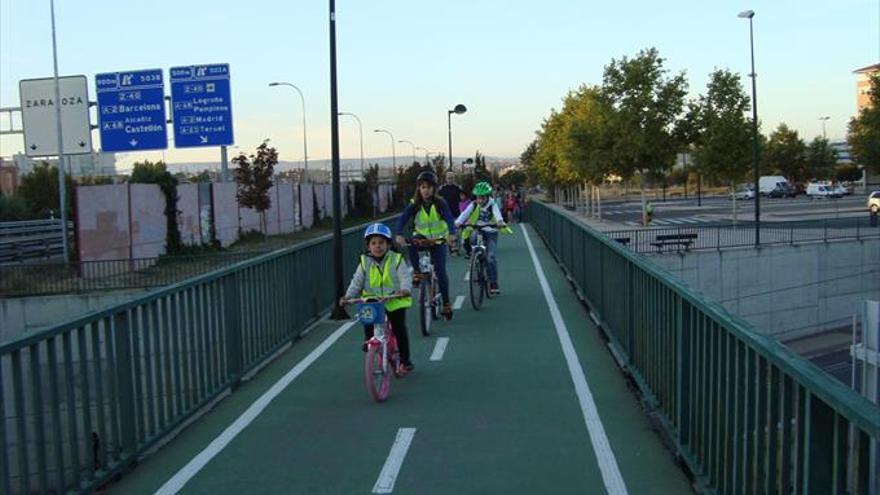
point(383, 356)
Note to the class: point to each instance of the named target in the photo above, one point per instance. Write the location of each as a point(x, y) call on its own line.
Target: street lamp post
point(824, 119)
point(361, 132)
point(62, 190)
point(393, 151)
point(305, 142)
point(750, 14)
point(338, 312)
point(413, 147)
point(458, 110)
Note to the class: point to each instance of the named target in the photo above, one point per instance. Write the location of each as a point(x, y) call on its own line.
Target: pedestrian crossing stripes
point(674, 221)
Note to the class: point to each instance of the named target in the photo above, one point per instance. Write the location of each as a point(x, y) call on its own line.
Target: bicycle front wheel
point(484, 276)
point(376, 374)
point(475, 284)
point(425, 303)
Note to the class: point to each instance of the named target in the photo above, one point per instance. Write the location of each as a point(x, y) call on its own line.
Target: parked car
point(874, 202)
point(782, 190)
point(819, 190)
point(743, 193)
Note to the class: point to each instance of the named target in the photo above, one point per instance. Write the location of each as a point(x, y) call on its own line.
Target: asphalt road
point(719, 211)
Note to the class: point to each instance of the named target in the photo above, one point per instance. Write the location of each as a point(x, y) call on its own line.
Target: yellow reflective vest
point(380, 281)
point(430, 224)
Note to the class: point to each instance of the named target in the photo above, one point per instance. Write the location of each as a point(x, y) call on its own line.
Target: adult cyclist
point(432, 219)
point(484, 213)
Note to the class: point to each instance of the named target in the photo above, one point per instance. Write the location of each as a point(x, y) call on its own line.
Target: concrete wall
point(27, 314)
point(102, 222)
point(225, 213)
point(148, 222)
point(188, 222)
point(791, 290)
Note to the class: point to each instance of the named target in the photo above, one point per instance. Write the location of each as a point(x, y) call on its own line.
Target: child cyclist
point(432, 219)
point(484, 211)
point(382, 272)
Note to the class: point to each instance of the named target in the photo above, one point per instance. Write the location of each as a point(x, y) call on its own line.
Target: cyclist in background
point(484, 211)
point(381, 273)
point(432, 219)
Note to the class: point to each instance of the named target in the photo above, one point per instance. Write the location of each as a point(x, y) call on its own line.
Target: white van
point(768, 183)
point(820, 190)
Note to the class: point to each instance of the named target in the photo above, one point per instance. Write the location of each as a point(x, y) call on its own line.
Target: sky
point(403, 64)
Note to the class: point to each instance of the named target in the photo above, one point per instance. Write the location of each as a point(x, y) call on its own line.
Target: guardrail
point(40, 279)
point(32, 239)
point(744, 413)
point(84, 399)
point(645, 241)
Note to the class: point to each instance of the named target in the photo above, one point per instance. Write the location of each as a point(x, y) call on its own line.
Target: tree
point(864, 130)
point(39, 189)
point(820, 160)
point(785, 154)
point(646, 106)
point(156, 173)
point(253, 175)
point(721, 132)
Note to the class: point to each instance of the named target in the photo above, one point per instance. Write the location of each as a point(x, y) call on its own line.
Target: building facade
point(863, 85)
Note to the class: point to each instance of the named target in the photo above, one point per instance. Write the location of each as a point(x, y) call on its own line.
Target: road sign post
point(131, 110)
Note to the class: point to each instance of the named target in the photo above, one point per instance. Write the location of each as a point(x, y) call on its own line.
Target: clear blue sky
point(402, 64)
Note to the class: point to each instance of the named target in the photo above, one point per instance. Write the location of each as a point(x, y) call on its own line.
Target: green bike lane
point(498, 413)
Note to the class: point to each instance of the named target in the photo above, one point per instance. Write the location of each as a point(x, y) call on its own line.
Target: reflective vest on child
point(430, 224)
point(380, 282)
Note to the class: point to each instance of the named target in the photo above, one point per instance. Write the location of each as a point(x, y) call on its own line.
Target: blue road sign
point(201, 105)
point(131, 110)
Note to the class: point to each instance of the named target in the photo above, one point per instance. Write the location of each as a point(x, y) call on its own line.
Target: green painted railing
point(83, 400)
point(744, 413)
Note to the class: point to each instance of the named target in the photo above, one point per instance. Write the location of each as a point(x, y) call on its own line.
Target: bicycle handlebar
point(358, 300)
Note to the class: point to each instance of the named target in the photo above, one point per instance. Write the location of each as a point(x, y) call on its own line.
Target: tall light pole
point(62, 190)
point(338, 312)
point(824, 119)
point(305, 141)
point(361, 131)
point(413, 147)
point(750, 14)
point(393, 151)
point(458, 110)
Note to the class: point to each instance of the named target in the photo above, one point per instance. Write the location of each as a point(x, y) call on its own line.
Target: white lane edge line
point(611, 476)
point(439, 348)
point(467, 276)
point(388, 475)
point(459, 302)
point(195, 465)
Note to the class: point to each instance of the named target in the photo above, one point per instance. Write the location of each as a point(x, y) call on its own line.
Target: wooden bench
point(622, 240)
point(683, 240)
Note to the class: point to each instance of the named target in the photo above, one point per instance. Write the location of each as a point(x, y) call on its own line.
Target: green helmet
point(482, 189)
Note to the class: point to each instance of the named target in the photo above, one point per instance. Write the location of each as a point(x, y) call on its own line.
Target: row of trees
point(638, 120)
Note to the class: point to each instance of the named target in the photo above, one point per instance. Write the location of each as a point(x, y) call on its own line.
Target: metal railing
point(744, 413)
point(31, 239)
point(83, 400)
point(38, 279)
point(721, 237)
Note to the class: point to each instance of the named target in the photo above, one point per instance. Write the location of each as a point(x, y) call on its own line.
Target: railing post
point(125, 382)
point(232, 316)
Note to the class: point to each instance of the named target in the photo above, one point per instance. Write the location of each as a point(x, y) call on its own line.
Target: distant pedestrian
point(451, 193)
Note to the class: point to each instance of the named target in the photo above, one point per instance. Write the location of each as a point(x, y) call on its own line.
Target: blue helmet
point(377, 229)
